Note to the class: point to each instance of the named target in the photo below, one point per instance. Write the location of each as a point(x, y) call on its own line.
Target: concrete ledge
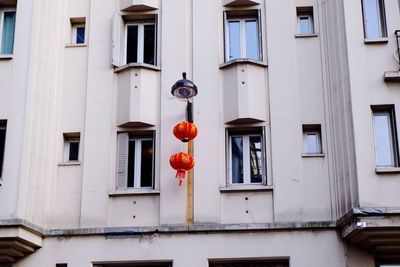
point(245, 188)
point(136, 65)
point(391, 76)
point(310, 35)
point(243, 61)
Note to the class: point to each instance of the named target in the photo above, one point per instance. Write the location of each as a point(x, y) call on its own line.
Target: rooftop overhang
point(376, 230)
point(18, 241)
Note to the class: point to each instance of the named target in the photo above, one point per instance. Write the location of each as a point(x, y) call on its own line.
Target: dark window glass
point(131, 163)
point(146, 168)
point(132, 44)
point(149, 44)
point(80, 35)
point(255, 159)
point(2, 145)
point(73, 151)
point(237, 160)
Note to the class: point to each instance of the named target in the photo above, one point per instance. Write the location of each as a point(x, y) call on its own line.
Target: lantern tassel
point(180, 174)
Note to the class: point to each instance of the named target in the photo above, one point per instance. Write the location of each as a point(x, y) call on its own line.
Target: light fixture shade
point(184, 88)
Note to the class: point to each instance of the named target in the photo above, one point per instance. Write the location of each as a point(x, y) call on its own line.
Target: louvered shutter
point(122, 160)
point(116, 40)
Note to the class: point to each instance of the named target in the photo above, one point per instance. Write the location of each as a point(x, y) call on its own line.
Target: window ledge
point(245, 188)
point(312, 155)
point(310, 35)
point(134, 192)
point(76, 45)
point(382, 170)
point(70, 163)
point(391, 76)
point(6, 57)
point(136, 65)
point(376, 41)
point(242, 61)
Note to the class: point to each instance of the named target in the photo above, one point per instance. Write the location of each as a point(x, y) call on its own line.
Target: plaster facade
point(319, 209)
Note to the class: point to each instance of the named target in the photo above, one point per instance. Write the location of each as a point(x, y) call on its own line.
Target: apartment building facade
point(297, 154)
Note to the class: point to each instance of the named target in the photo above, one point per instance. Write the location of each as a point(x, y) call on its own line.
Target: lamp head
point(184, 89)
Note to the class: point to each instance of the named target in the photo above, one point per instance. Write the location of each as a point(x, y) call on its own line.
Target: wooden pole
point(189, 189)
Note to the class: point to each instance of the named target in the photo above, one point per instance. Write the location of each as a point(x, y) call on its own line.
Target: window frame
point(246, 134)
point(389, 112)
point(67, 148)
point(140, 46)
point(383, 32)
point(242, 19)
point(2, 11)
point(136, 137)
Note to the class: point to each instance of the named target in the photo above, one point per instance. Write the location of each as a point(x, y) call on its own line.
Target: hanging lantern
point(181, 162)
point(185, 131)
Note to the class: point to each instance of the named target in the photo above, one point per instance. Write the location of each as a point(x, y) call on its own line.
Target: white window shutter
point(122, 160)
point(116, 40)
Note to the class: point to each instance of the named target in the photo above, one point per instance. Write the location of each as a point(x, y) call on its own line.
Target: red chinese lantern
point(185, 131)
point(181, 162)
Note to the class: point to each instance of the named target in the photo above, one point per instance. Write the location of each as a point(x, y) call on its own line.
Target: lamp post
point(185, 89)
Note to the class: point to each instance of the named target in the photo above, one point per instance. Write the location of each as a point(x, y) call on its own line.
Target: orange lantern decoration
point(181, 162)
point(185, 131)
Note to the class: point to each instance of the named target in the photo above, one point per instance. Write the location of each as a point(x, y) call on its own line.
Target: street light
point(185, 89)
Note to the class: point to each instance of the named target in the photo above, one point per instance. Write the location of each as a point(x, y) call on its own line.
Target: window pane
point(234, 40)
point(383, 140)
point(132, 44)
point(252, 43)
point(131, 163)
point(256, 162)
point(372, 19)
point(73, 150)
point(149, 44)
point(80, 35)
point(7, 42)
point(2, 145)
point(237, 159)
point(304, 25)
point(312, 143)
point(146, 170)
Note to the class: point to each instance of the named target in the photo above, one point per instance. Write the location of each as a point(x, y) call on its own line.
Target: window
point(312, 139)
point(78, 34)
point(141, 43)
point(250, 263)
point(3, 126)
point(243, 36)
point(7, 26)
point(374, 19)
point(135, 160)
point(386, 149)
point(71, 147)
point(305, 20)
point(246, 156)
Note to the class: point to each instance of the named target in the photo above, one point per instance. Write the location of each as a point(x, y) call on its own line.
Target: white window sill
point(313, 155)
point(134, 192)
point(245, 188)
point(70, 163)
point(76, 45)
point(243, 61)
point(6, 57)
point(308, 35)
point(376, 41)
point(136, 65)
point(382, 170)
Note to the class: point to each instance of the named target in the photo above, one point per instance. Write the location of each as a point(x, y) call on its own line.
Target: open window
point(3, 127)
point(312, 139)
point(135, 161)
point(135, 39)
point(71, 147)
point(305, 20)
